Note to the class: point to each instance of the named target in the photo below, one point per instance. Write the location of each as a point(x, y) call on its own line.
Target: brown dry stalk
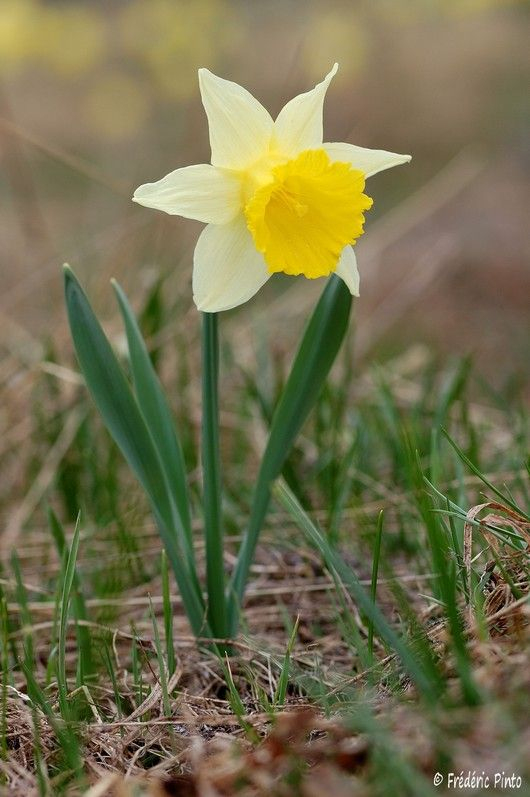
point(501, 598)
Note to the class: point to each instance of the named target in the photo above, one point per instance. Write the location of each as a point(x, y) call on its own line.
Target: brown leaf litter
point(202, 749)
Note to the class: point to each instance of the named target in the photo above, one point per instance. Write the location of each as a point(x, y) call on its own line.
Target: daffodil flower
point(275, 198)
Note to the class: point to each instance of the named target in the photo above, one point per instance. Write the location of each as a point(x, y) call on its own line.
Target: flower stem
point(211, 468)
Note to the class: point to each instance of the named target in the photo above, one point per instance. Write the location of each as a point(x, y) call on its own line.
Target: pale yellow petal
point(198, 192)
point(347, 270)
point(240, 127)
point(299, 124)
point(368, 161)
point(227, 268)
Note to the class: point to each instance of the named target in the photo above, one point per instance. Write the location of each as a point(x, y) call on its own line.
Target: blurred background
point(98, 97)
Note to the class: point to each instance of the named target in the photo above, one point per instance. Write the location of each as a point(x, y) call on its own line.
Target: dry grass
point(203, 748)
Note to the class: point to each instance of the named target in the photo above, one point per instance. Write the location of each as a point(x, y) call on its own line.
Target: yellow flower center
point(303, 212)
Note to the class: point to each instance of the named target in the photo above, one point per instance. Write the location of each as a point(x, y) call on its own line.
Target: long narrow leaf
point(69, 574)
point(319, 347)
point(157, 415)
point(85, 667)
point(112, 394)
point(363, 600)
point(120, 412)
point(155, 409)
point(474, 469)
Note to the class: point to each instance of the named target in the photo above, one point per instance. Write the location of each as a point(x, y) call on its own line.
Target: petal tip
point(203, 75)
point(206, 76)
point(139, 196)
point(331, 74)
point(329, 77)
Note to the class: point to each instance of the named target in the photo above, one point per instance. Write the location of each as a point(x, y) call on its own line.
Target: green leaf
point(319, 347)
point(157, 415)
point(112, 394)
point(375, 573)
point(68, 576)
point(474, 469)
point(281, 690)
point(168, 617)
point(155, 409)
point(429, 688)
point(85, 666)
point(122, 416)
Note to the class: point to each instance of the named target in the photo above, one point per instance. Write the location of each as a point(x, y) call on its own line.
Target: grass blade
point(68, 742)
point(86, 666)
point(444, 565)
point(168, 618)
point(68, 580)
point(236, 703)
point(283, 682)
point(163, 674)
point(375, 572)
point(27, 621)
point(334, 562)
point(474, 469)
